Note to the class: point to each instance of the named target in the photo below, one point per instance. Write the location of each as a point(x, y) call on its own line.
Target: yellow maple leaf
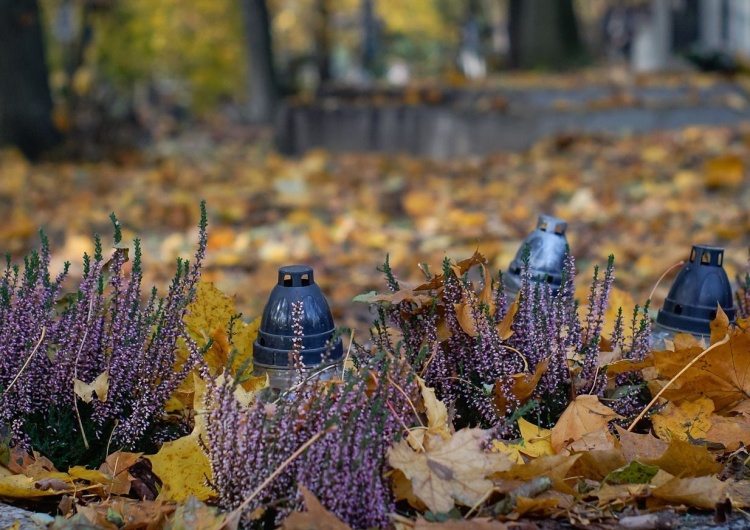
point(182, 464)
point(212, 309)
point(536, 441)
point(690, 420)
point(208, 318)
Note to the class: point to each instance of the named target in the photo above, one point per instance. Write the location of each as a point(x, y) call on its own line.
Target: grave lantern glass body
point(547, 247)
point(321, 350)
point(691, 304)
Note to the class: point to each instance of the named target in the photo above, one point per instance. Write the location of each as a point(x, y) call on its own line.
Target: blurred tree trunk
point(323, 40)
point(543, 34)
point(25, 100)
point(262, 82)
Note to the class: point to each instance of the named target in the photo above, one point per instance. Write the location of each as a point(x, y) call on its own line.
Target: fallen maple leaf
point(182, 465)
point(685, 459)
point(315, 518)
point(721, 373)
point(635, 445)
point(212, 309)
point(700, 492)
point(115, 467)
point(535, 442)
point(449, 471)
point(585, 414)
point(690, 420)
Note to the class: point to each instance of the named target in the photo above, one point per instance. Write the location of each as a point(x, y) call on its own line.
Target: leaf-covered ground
point(646, 199)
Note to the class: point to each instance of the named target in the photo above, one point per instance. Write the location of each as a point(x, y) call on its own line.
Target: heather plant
point(469, 342)
point(331, 437)
point(105, 334)
point(743, 293)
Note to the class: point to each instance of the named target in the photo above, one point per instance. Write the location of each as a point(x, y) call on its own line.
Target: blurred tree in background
point(25, 101)
point(150, 64)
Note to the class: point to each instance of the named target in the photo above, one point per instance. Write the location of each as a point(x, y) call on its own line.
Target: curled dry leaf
point(522, 386)
point(98, 387)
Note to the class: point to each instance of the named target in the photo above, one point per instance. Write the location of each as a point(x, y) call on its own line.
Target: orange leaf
point(522, 386)
point(465, 320)
point(505, 326)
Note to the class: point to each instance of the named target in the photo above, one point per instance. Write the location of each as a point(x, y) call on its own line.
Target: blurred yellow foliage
point(199, 41)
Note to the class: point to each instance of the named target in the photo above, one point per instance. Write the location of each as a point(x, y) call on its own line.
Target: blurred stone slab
point(26, 520)
point(479, 122)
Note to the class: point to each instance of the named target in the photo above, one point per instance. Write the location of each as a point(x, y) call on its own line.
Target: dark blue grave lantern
point(690, 306)
point(547, 247)
point(296, 285)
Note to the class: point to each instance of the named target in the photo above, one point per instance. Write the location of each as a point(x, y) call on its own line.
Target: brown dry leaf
point(730, 432)
point(115, 468)
point(700, 492)
point(685, 459)
point(522, 386)
point(40, 467)
point(404, 295)
point(487, 296)
point(619, 494)
point(601, 440)
point(315, 518)
point(635, 445)
point(99, 386)
point(690, 420)
point(459, 270)
point(121, 513)
point(449, 471)
point(437, 412)
point(722, 374)
point(505, 326)
point(402, 490)
point(585, 414)
point(555, 467)
point(597, 464)
point(465, 318)
point(719, 325)
point(541, 505)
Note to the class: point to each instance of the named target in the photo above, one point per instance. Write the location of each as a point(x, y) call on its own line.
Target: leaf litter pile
point(457, 406)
